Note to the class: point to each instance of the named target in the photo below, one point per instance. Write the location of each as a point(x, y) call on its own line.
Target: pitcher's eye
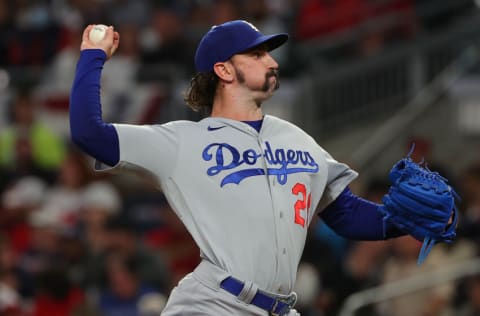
point(257, 53)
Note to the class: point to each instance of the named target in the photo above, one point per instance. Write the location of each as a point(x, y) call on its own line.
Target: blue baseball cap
point(223, 41)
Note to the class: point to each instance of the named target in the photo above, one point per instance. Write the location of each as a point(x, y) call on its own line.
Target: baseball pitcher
point(246, 185)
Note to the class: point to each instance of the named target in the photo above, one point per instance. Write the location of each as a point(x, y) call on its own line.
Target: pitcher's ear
point(224, 71)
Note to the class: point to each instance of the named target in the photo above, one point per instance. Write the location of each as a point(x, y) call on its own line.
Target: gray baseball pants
point(199, 294)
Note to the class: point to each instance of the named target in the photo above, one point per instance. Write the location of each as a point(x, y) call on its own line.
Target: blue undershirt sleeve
point(355, 218)
point(87, 129)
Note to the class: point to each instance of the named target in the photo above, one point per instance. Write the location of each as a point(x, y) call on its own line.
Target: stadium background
point(365, 77)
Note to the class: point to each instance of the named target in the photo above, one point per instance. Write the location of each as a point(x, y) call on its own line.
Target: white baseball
point(97, 33)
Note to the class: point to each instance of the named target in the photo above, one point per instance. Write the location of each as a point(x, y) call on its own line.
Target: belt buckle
point(290, 301)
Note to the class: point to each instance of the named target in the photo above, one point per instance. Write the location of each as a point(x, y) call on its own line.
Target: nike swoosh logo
point(210, 128)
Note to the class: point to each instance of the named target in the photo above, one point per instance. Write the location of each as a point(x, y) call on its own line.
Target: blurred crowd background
point(78, 243)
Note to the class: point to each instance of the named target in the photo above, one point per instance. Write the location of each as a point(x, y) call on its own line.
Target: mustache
point(272, 73)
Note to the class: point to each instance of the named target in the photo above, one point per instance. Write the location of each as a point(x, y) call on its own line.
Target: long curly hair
point(199, 96)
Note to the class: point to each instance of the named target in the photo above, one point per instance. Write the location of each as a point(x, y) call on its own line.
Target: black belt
point(275, 306)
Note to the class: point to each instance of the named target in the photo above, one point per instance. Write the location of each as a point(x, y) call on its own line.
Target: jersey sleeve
point(339, 176)
point(87, 128)
point(147, 148)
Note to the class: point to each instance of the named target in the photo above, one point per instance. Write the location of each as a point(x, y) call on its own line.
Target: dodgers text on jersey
point(281, 162)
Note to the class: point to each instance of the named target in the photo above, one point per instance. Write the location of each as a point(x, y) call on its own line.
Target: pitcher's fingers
point(109, 34)
point(86, 32)
point(116, 39)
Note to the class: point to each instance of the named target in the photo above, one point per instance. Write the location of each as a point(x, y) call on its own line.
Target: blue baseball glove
point(420, 203)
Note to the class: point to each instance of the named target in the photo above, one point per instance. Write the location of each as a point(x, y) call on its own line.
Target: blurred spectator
point(56, 81)
point(355, 28)
point(394, 21)
point(10, 300)
point(317, 18)
point(18, 202)
point(35, 38)
point(152, 304)
point(125, 290)
point(120, 77)
point(344, 267)
point(307, 287)
point(200, 19)
point(472, 306)
point(403, 264)
point(13, 287)
point(123, 241)
point(128, 12)
point(65, 196)
point(164, 42)
point(43, 249)
point(326, 21)
point(469, 226)
point(359, 271)
point(27, 146)
point(6, 27)
point(283, 8)
point(55, 295)
point(225, 10)
point(68, 14)
point(72, 253)
point(434, 301)
point(86, 310)
point(128, 55)
point(32, 14)
point(100, 202)
point(175, 244)
point(77, 13)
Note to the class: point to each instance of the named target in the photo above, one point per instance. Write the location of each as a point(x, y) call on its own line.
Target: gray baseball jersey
point(246, 198)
